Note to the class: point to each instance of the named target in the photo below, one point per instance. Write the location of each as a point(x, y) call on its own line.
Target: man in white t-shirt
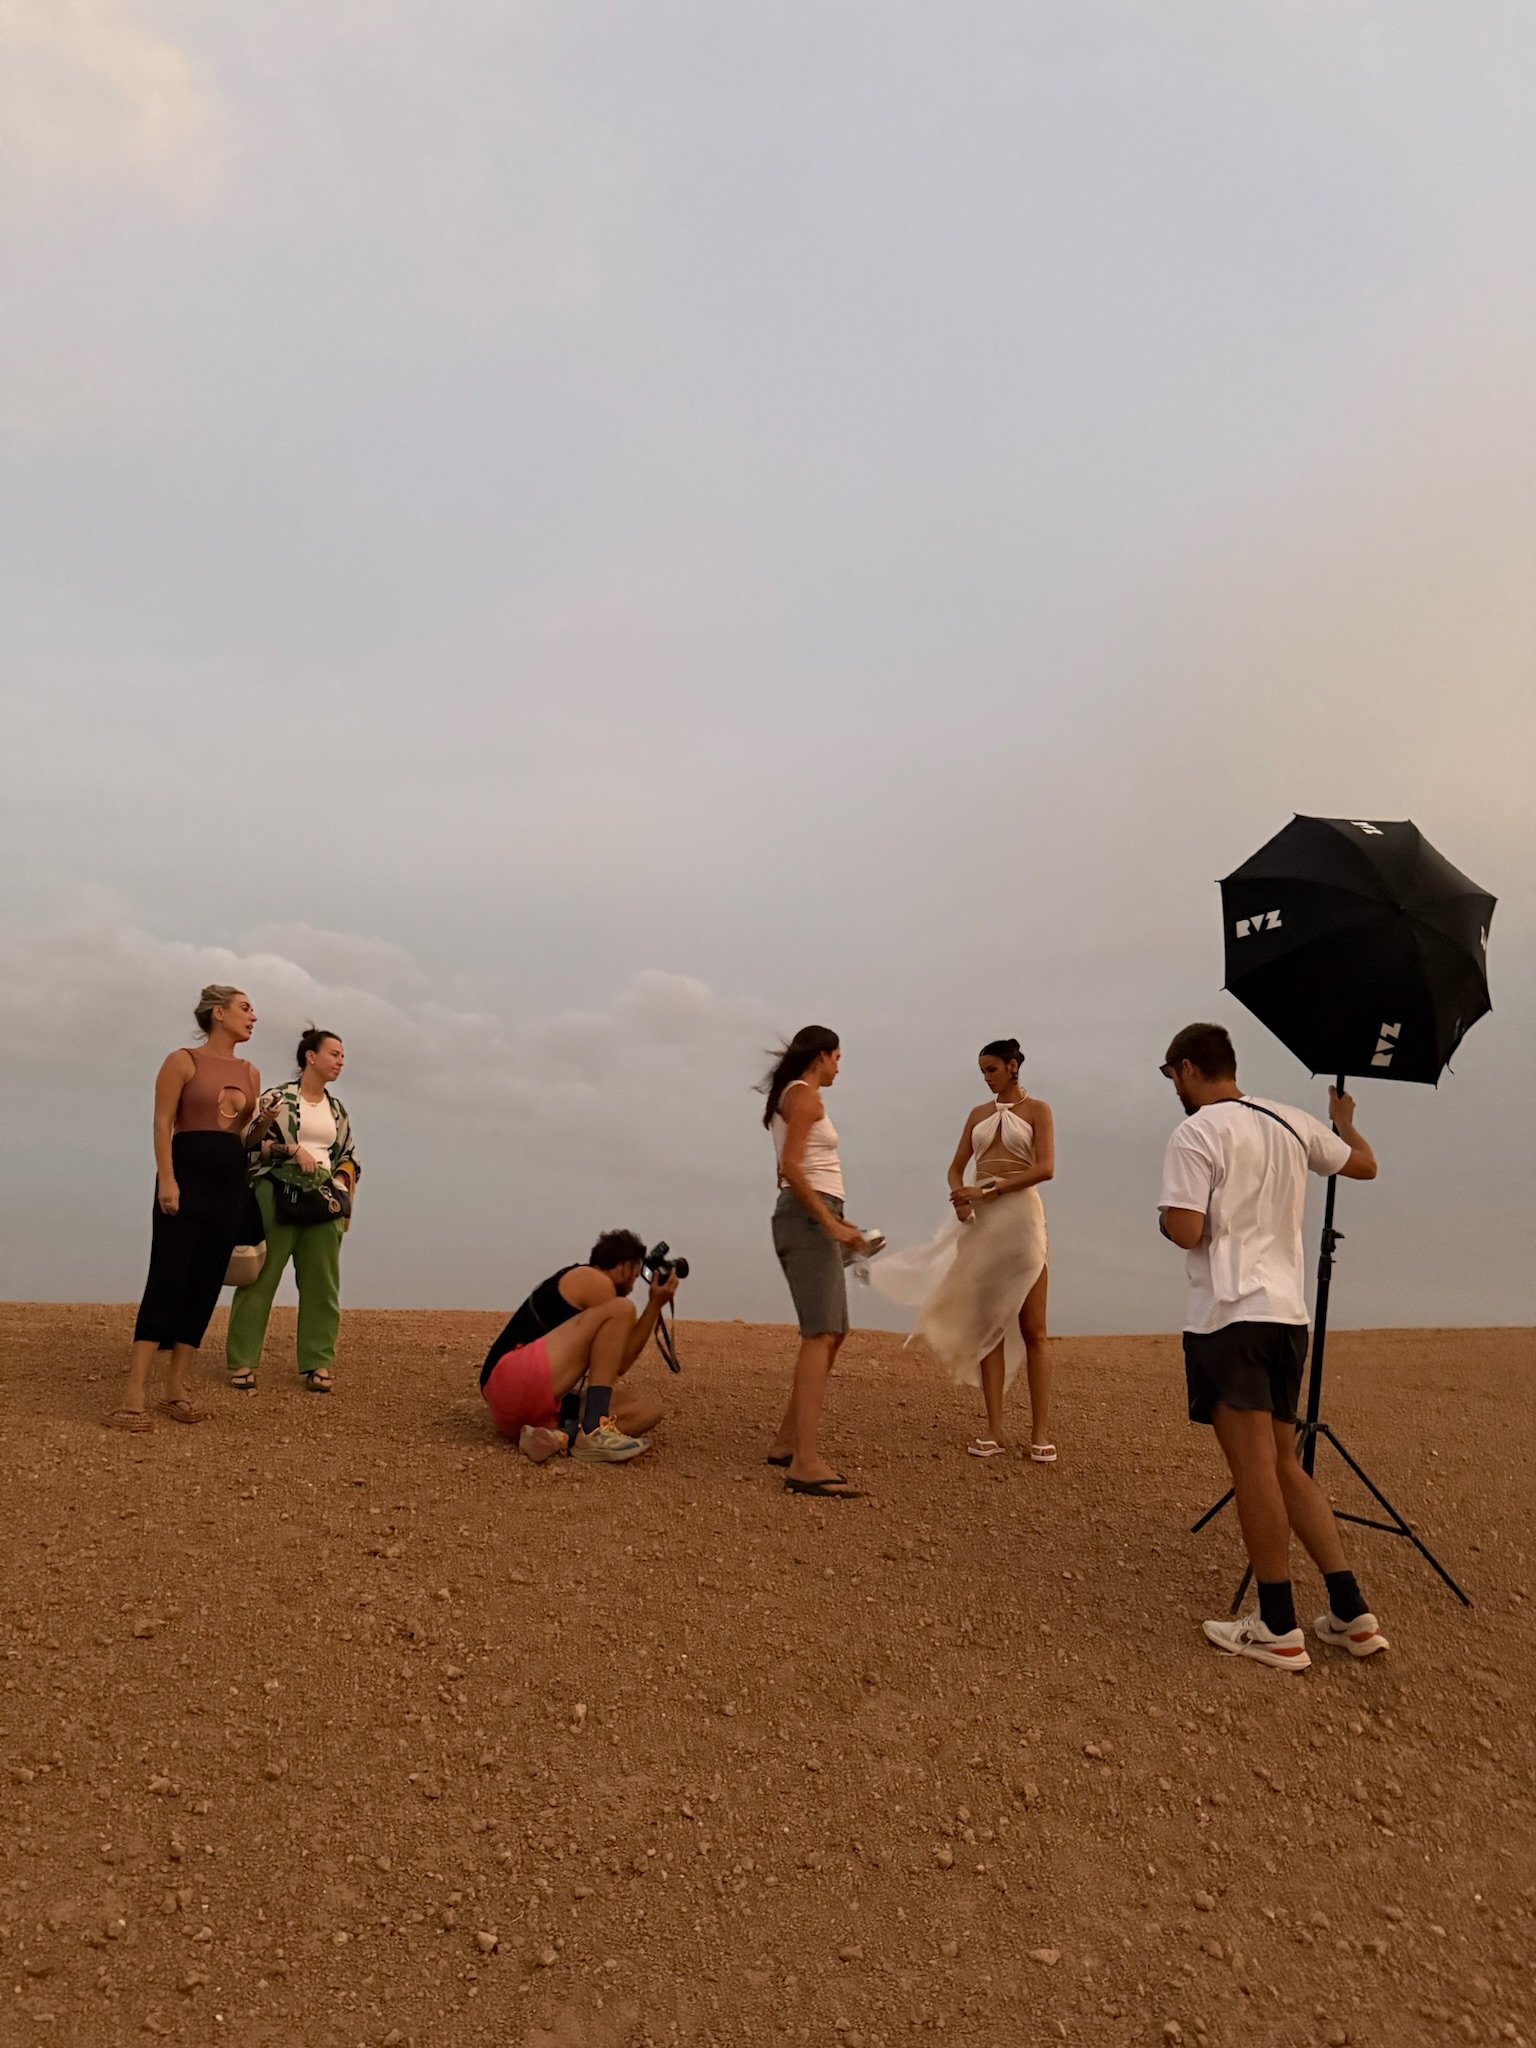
point(1234, 1186)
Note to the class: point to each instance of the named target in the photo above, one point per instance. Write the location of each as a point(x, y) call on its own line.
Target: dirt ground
point(333, 1722)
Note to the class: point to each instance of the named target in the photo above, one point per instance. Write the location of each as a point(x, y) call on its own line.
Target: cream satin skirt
point(968, 1284)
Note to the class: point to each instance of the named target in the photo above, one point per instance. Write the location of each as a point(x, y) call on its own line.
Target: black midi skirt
point(189, 1252)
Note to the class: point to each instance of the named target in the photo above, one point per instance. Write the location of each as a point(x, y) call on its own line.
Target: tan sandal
point(133, 1420)
point(180, 1411)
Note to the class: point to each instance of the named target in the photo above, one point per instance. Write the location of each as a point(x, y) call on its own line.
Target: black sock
point(570, 1414)
point(1277, 1609)
point(1345, 1600)
point(594, 1408)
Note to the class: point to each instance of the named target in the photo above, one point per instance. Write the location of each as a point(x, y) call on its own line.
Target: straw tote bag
point(245, 1264)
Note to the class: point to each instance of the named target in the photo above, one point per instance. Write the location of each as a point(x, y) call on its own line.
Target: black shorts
point(1246, 1365)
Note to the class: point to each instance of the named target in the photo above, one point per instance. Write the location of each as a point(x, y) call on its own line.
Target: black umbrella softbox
point(1360, 946)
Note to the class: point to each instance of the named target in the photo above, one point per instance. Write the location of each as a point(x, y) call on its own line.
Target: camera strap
point(666, 1342)
point(1275, 1118)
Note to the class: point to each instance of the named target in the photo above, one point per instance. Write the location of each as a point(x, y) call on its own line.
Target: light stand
point(1312, 1428)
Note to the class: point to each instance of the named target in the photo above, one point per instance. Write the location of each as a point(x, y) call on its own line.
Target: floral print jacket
point(267, 1156)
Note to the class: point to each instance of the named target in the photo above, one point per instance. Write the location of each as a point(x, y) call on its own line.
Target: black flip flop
point(780, 1461)
point(823, 1489)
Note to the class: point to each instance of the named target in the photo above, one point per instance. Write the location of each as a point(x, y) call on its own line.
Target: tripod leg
point(1242, 1587)
point(1401, 1527)
point(1211, 1513)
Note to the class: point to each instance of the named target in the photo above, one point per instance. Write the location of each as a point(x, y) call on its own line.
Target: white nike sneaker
point(1248, 1637)
point(608, 1445)
point(1362, 1637)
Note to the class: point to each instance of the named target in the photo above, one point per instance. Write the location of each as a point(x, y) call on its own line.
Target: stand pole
point(1313, 1427)
point(1331, 1239)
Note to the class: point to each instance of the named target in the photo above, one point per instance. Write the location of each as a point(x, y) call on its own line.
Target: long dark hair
point(791, 1061)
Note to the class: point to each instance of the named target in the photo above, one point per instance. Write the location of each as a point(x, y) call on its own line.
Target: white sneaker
point(1248, 1637)
point(1362, 1637)
point(608, 1445)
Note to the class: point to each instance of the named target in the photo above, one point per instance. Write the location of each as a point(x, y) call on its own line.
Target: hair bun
point(1003, 1049)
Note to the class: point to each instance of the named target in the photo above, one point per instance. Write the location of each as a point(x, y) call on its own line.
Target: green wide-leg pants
point(315, 1250)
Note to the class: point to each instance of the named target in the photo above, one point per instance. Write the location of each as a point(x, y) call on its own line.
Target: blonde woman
point(205, 1097)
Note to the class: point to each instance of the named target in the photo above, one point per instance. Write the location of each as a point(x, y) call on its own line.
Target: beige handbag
point(245, 1264)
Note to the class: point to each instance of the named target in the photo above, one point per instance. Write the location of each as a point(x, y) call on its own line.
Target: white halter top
point(819, 1162)
point(1008, 1122)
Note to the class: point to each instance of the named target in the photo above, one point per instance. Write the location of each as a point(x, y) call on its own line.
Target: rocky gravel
point(333, 1724)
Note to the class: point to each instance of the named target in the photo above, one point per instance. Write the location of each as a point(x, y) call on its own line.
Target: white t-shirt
point(1247, 1175)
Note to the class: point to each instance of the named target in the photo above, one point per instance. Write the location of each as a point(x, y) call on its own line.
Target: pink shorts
point(520, 1390)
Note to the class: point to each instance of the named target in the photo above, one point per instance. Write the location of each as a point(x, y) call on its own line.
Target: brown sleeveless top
point(220, 1095)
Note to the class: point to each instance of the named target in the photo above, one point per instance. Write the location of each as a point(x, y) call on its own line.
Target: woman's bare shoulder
point(801, 1101)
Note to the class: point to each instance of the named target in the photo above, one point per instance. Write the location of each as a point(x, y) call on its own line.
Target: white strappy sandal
point(1042, 1454)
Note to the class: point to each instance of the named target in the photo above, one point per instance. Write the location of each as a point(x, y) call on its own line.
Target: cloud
point(92, 94)
point(470, 1123)
point(90, 986)
point(350, 958)
point(655, 1009)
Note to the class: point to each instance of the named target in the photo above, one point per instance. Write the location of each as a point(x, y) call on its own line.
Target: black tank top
point(544, 1310)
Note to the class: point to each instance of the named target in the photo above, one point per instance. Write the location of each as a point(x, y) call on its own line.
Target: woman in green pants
point(300, 1140)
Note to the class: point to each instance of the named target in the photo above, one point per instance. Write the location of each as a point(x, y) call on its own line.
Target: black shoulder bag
point(301, 1207)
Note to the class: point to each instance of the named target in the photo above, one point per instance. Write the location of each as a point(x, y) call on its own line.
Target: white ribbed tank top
point(820, 1161)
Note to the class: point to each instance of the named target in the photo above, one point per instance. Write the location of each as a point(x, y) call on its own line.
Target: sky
point(563, 542)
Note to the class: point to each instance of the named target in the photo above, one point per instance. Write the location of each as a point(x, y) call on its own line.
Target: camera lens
point(680, 1268)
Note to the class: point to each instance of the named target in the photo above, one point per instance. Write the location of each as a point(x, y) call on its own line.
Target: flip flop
point(243, 1381)
point(788, 1459)
point(133, 1420)
point(180, 1411)
point(984, 1447)
point(836, 1488)
point(313, 1380)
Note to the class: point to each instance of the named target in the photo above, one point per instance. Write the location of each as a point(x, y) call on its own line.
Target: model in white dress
point(979, 1285)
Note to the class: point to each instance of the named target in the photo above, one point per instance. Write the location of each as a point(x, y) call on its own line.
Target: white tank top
point(819, 1162)
point(317, 1129)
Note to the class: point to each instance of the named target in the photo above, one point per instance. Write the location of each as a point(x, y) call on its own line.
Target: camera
point(659, 1265)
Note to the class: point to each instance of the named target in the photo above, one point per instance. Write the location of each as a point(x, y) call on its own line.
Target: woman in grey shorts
point(810, 1237)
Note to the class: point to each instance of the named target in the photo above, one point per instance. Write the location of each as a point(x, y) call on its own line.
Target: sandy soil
point(334, 1722)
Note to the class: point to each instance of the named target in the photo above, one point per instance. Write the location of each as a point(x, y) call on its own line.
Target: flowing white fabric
point(969, 1282)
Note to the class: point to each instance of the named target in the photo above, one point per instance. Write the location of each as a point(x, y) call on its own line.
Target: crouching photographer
point(553, 1378)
